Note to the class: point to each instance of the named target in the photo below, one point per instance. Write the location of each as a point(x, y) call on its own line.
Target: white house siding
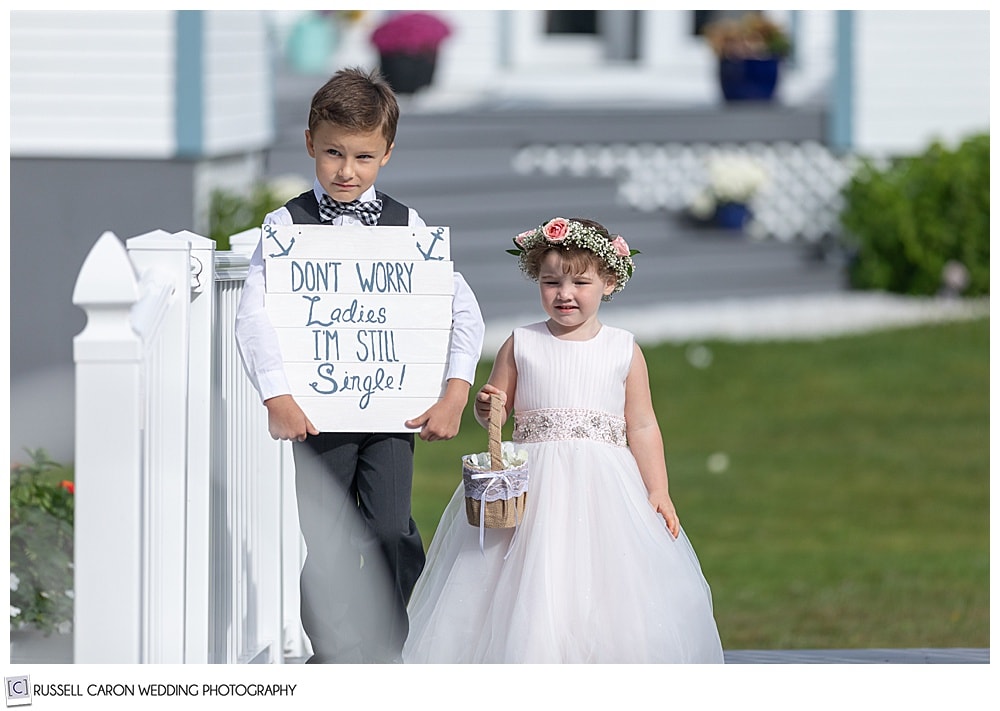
point(88, 84)
point(806, 76)
point(104, 84)
point(919, 76)
point(238, 89)
point(470, 58)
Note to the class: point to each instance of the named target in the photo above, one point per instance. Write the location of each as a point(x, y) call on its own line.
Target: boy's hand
point(660, 501)
point(286, 420)
point(443, 418)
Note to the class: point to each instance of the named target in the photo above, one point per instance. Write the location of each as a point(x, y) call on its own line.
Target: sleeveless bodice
point(571, 389)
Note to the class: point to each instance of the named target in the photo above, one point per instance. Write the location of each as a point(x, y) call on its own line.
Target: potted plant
point(41, 548)
point(750, 49)
point(315, 36)
point(408, 43)
point(733, 180)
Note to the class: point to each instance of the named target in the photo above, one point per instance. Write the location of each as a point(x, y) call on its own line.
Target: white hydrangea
point(735, 178)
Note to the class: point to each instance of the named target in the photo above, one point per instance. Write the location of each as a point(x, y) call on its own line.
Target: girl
point(600, 569)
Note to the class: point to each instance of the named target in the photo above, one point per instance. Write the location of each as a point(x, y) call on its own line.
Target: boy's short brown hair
point(357, 101)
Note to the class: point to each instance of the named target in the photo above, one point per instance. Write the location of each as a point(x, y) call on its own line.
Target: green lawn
point(837, 492)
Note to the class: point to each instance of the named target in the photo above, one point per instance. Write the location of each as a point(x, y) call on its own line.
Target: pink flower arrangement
point(621, 246)
point(410, 33)
point(555, 230)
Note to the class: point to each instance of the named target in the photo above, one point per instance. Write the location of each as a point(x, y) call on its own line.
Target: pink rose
point(523, 236)
point(555, 230)
point(620, 245)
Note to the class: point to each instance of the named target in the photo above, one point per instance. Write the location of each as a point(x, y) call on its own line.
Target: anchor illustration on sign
point(438, 235)
point(269, 233)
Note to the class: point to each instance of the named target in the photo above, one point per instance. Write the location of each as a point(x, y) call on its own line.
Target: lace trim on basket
point(495, 485)
point(556, 423)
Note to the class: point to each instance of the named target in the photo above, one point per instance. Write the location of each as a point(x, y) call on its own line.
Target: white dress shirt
point(257, 340)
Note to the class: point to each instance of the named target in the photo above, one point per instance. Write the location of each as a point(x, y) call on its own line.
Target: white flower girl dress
point(592, 574)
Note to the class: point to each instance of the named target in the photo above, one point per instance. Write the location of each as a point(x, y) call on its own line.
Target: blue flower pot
point(748, 79)
point(732, 215)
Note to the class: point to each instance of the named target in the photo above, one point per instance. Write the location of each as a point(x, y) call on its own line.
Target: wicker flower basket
point(495, 497)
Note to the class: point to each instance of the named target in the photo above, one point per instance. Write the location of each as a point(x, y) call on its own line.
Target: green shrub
point(906, 220)
point(41, 545)
point(230, 212)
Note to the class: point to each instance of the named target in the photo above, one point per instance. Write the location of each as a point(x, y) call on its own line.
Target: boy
point(364, 552)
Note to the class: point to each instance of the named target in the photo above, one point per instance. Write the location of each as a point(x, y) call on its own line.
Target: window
point(703, 17)
point(575, 22)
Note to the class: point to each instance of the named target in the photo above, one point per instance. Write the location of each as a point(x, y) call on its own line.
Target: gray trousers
point(364, 552)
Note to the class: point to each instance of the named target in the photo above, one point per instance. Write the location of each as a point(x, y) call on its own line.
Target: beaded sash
point(557, 423)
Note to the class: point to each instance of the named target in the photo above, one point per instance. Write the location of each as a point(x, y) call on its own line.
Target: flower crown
point(558, 231)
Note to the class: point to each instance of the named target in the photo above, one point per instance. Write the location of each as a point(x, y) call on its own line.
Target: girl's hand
point(661, 503)
point(482, 404)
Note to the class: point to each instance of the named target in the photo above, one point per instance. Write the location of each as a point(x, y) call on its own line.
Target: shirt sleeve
point(467, 333)
point(467, 326)
point(256, 339)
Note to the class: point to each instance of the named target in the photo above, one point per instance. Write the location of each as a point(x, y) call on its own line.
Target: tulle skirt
point(591, 575)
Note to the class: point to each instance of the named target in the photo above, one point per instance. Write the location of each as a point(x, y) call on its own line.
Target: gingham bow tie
point(367, 212)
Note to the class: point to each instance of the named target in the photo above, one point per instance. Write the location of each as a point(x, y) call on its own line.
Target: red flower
point(68, 486)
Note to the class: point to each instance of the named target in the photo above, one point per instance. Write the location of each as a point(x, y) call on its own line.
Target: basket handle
point(496, 423)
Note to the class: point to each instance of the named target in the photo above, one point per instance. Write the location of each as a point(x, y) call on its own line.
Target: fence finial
point(107, 275)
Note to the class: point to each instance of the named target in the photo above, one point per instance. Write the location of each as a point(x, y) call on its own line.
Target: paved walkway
point(843, 656)
point(858, 656)
point(60, 652)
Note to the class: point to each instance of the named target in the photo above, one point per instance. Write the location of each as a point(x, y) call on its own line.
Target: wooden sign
point(363, 317)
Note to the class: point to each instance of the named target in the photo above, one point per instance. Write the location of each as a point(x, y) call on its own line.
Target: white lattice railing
point(799, 200)
point(186, 536)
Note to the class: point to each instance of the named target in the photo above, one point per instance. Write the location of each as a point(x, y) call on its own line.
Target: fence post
point(108, 522)
point(199, 464)
point(159, 255)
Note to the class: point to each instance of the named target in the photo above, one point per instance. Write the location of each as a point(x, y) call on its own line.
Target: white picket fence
point(187, 547)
